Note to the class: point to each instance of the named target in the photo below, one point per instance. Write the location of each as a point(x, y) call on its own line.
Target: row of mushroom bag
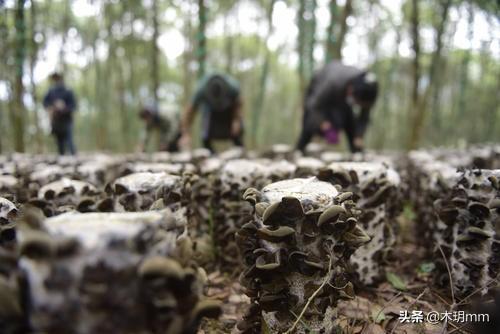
point(458, 215)
point(98, 247)
point(103, 273)
point(287, 224)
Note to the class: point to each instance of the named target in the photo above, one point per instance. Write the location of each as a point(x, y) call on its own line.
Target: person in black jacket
point(339, 97)
point(60, 103)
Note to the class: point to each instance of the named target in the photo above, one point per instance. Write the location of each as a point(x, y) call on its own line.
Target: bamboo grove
point(438, 93)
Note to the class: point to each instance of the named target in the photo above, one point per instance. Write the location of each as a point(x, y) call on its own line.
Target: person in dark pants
point(157, 125)
point(60, 103)
point(339, 97)
point(218, 97)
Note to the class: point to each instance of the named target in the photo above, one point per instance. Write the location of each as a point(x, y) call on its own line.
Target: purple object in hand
point(332, 136)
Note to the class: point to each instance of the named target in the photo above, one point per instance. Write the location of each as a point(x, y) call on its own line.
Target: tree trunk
point(187, 58)
point(100, 108)
point(301, 45)
point(229, 45)
point(4, 52)
point(132, 87)
point(259, 102)
point(109, 75)
point(120, 70)
point(330, 32)
point(65, 26)
point(33, 59)
point(17, 112)
point(307, 40)
point(443, 131)
point(201, 52)
point(393, 68)
point(420, 103)
point(415, 21)
point(374, 36)
point(415, 18)
point(311, 37)
point(464, 73)
point(125, 128)
point(155, 70)
point(337, 53)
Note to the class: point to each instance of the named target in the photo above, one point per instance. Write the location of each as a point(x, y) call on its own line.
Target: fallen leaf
point(373, 329)
point(358, 308)
point(426, 267)
point(377, 315)
point(396, 281)
point(395, 308)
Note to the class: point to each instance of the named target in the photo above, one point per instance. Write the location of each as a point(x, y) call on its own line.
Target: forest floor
point(408, 287)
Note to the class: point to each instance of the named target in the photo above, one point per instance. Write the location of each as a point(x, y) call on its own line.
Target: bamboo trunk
point(301, 47)
point(17, 112)
point(229, 45)
point(187, 59)
point(464, 73)
point(65, 26)
point(420, 102)
point(201, 54)
point(33, 59)
point(259, 102)
point(331, 41)
point(155, 70)
point(4, 35)
point(415, 72)
point(343, 30)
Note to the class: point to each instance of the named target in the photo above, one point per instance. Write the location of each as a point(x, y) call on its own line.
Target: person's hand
point(185, 142)
point(60, 107)
point(50, 111)
point(325, 126)
point(163, 147)
point(235, 128)
point(358, 143)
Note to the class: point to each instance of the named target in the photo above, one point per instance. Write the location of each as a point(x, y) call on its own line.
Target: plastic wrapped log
point(157, 167)
point(8, 184)
point(138, 191)
point(66, 195)
point(295, 250)
point(112, 272)
point(280, 152)
point(99, 169)
point(308, 166)
point(376, 187)
point(471, 216)
point(429, 180)
point(230, 211)
point(8, 212)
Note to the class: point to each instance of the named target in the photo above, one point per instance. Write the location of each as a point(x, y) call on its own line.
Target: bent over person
point(218, 97)
point(157, 126)
point(60, 103)
point(339, 97)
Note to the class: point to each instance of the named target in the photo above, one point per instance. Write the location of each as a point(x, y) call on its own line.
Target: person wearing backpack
point(218, 98)
point(60, 104)
point(339, 97)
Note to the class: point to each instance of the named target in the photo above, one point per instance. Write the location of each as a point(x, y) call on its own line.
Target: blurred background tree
point(437, 61)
